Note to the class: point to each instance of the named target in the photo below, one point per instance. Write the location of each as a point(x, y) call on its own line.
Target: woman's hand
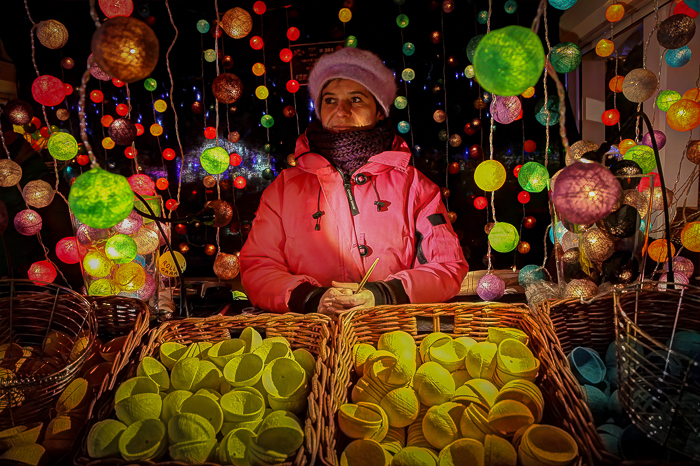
point(340, 299)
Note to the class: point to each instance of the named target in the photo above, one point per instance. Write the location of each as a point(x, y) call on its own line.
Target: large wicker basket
point(457, 319)
point(311, 332)
point(570, 323)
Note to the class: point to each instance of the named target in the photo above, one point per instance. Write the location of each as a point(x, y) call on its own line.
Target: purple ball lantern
point(682, 265)
point(506, 110)
point(585, 193)
point(678, 278)
point(130, 224)
point(28, 222)
point(490, 287)
point(660, 139)
point(88, 235)
point(97, 72)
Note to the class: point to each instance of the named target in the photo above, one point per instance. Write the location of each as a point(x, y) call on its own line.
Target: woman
point(351, 198)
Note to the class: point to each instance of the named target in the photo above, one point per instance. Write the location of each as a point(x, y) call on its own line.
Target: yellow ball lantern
point(345, 15)
point(146, 240)
point(130, 276)
point(237, 23)
point(684, 115)
point(490, 175)
point(108, 143)
point(605, 48)
point(690, 236)
point(166, 263)
point(657, 250)
point(156, 129)
point(96, 264)
point(258, 69)
point(625, 145)
point(103, 287)
point(503, 237)
point(529, 92)
point(160, 105)
point(52, 34)
point(261, 92)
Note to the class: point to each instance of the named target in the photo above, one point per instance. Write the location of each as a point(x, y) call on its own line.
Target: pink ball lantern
point(48, 90)
point(142, 184)
point(490, 287)
point(505, 110)
point(585, 192)
point(28, 222)
point(42, 271)
point(97, 72)
point(682, 265)
point(147, 290)
point(69, 251)
point(130, 224)
point(678, 278)
point(87, 235)
point(112, 8)
point(660, 139)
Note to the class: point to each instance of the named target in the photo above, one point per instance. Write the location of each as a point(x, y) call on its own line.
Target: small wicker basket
point(311, 332)
point(456, 319)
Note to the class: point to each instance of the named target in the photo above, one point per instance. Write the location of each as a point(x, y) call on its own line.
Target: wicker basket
point(456, 319)
point(116, 315)
point(28, 312)
point(570, 323)
point(311, 332)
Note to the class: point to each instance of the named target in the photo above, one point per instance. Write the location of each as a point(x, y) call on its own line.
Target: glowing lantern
point(28, 222)
point(226, 266)
point(210, 132)
point(643, 155)
point(48, 90)
point(130, 276)
point(42, 271)
point(292, 33)
point(210, 55)
point(533, 177)
point(62, 146)
point(469, 71)
point(490, 287)
point(103, 287)
point(529, 146)
point(548, 114)
point(585, 192)
point(227, 87)
point(122, 109)
point(160, 105)
point(610, 117)
point(692, 94)
point(130, 152)
point(259, 7)
point(675, 31)
point(408, 74)
point(239, 182)
point(614, 13)
point(67, 63)
point(166, 263)
point(168, 154)
point(108, 143)
point(565, 57)
point(286, 55)
point(83, 159)
point(126, 48)
point(156, 129)
point(162, 184)
point(171, 204)
point(523, 197)
point(678, 58)
point(523, 247)
point(113, 8)
point(150, 84)
point(659, 137)
point(267, 121)
point(237, 23)
point(490, 175)
point(402, 21)
point(258, 69)
point(101, 199)
point(214, 160)
point(345, 15)
point(482, 17)
point(96, 264)
point(118, 82)
point(130, 224)
point(256, 42)
point(684, 115)
point(657, 250)
point(142, 184)
point(38, 193)
point(69, 251)
point(604, 48)
point(19, 112)
point(529, 92)
point(511, 6)
point(68, 89)
point(639, 85)
point(120, 249)
point(577, 149)
point(625, 145)
point(122, 131)
point(235, 159)
point(509, 60)
point(292, 86)
point(146, 240)
point(505, 110)
point(596, 245)
point(139, 129)
point(480, 202)
point(690, 237)
point(97, 72)
point(615, 83)
point(516, 170)
point(52, 34)
point(668, 98)
point(562, 4)
point(503, 237)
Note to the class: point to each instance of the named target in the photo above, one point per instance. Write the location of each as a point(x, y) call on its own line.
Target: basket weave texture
point(311, 332)
point(569, 323)
point(456, 319)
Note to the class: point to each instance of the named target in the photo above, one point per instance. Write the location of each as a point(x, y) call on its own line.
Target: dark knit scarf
point(350, 150)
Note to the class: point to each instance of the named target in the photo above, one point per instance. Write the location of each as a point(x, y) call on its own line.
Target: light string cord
point(522, 162)
point(160, 147)
point(408, 101)
point(658, 78)
point(267, 111)
point(291, 75)
point(65, 101)
point(216, 102)
point(134, 153)
point(204, 108)
point(447, 124)
point(637, 126)
point(172, 104)
point(491, 125)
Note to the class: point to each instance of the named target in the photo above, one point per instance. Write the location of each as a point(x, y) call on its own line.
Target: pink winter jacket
point(410, 235)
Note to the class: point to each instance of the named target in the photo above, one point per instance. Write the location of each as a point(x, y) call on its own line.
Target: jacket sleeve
point(439, 267)
point(265, 274)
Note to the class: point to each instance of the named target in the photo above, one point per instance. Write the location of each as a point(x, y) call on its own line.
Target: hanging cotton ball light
point(604, 48)
point(681, 265)
point(147, 240)
point(237, 23)
point(565, 57)
point(509, 60)
point(42, 271)
point(62, 146)
point(223, 212)
point(596, 245)
point(634, 198)
point(577, 149)
point(585, 193)
point(214, 160)
point(38, 193)
point(569, 241)
point(678, 279)
point(490, 287)
point(19, 112)
point(101, 199)
point(28, 222)
point(226, 266)
point(168, 263)
point(675, 31)
point(130, 224)
point(562, 4)
point(684, 115)
point(628, 169)
point(48, 90)
point(548, 114)
point(142, 184)
point(656, 195)
point(126, 48)
point(490, 175)
point(52, 34)
point(639, 85)
point(678, 58)
point(658, 249)
point(227, 88)
point(580, 289)
point(643, 156)
point(69, 251)
point(666, 99)
point(10, 173)
point(692, 152)
point(130, 276)
point(472, 45)
point(103, 287)
point(610, 117)
point(454, 141)
point(690, 236)
point(659, 136)
point(621, 268)
point(120, 249)
point(97, 72)
point(154, 226)
point(531, 274)
point(614, 13)
point(113, 8)
point(533, 177)
point(122, 131)
point(147, 290)
point(505, 110)
point(88, 235)
point(623, 222)
point(96, 264)
point(571, 261)
point(503, 237)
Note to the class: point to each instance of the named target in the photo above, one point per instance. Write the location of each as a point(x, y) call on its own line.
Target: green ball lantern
point(504, 237)
point(552, 110)
point(267, 121)
point(150, 84)
point(472, 45)
point(409, 49)
point(469, 71)
point(120, 249)
point(210, 55)
point(214, 160)
point(643, 155)
point(351, 41)
point(511, 7)
point(565, 57)
point(268, 174)
point(402, 21)
point(509, 60)
point(483, 17)
point(666, 99)
point(533, 177)
point(203, 26)
point(400, 102)
point(101, 199)
point(62, 146)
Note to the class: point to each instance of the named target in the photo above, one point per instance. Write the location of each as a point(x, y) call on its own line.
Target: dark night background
point(374, 25)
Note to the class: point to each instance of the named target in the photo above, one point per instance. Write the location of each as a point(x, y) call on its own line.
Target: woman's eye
point(356, 100)
point(328, 101)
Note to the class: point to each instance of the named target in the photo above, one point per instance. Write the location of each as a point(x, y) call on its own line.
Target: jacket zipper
point(347, 185)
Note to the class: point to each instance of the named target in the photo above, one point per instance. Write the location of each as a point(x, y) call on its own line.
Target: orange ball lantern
point(610, 117)
point(657, 250)
point(156, 129)
point(171, 204)
point(684, 115)
point(453, 168)
point(292, 86)
point(614, 13)
point(96, 96)
point(523, 247)
point(237, 23)
point(139, 129)
point(69, 251)
point(106, 120)
point(615, 83)
point(625, 145)
point(692, 94)
point(259, 7)
point(235, 159)
point(162, 184)
point(529, 92)
point(130, 152)
point(210, 132)
point(604, 48)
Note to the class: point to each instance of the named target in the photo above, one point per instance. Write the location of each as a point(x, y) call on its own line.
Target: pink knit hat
point(358, 65)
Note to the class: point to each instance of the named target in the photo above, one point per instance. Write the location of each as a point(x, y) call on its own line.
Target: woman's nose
point(343, 109)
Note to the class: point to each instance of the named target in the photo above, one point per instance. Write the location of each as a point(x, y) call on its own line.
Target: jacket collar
point(399, 157)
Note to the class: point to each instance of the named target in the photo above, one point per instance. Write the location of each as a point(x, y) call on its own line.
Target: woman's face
point(347, 105)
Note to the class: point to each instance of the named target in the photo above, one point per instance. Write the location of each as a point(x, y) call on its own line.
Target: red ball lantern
point(197, 108)
point(210, 132)
point(130, 152)
point(216, 31)
point(529, 222)
point(453, 168)
point(69, 251)
point(48, 90)
point(469, 129)
point(112, 8)
point(83, 159)
point(682, 9)
point(529, 146)
point(256, 42)
point(42, 271)
point(117, 82)
point(36, 122)
point(292, 86)
point(122, 109)
point(235, 159)
point(162, 184)
point(516, 170)
point(285, 55)
point(44, 132)
point(227, 61)
point(168, 154)
point(181, 229)
point(610, 117)
point(239, 182)
point(476, 152)
point(480, 202)
point(524, 197)
point(171, 204)
point(259, 7)
point(292, 33)
point(289, 111)
point(476, 124)
point(96, 96)
point(68, 89)
point(139, 129)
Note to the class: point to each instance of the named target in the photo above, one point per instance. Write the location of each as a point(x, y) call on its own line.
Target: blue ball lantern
point(677, 58)
point(562, 4)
